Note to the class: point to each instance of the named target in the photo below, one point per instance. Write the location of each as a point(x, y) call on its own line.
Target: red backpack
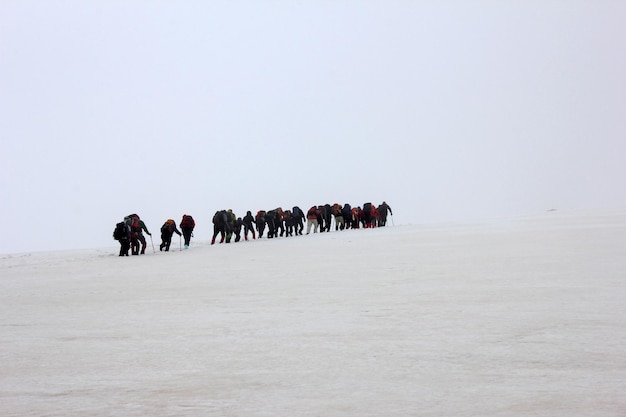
point(188, 222)
point(134, 222)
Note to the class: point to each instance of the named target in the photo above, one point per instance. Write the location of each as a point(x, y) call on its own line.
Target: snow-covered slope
point(511, 317)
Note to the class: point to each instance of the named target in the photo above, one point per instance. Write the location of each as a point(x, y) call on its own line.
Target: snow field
point(509, 317)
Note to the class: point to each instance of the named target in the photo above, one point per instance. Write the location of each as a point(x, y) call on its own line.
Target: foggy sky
point(449, 111)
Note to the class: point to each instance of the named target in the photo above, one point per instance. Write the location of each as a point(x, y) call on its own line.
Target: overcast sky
point(448, 110)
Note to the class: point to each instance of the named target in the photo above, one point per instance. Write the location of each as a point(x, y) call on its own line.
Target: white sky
point(448, 110)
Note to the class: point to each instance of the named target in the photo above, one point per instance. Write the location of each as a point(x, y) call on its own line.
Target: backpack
point(120, 231)
point(187, 222)
point(134, 222)
point(168, 226)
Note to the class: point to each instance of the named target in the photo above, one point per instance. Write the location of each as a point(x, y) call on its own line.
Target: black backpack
point(120, 231)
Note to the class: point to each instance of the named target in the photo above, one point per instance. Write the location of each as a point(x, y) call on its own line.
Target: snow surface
point(512, 317)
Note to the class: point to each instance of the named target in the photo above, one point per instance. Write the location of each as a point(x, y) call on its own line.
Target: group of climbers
point(277, 222)
point(129, 233)
point(346, 217)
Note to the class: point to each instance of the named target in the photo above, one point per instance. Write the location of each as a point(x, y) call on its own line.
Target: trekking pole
point(153, 251)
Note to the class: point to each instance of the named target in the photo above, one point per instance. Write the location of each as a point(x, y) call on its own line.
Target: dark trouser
point(248, 228)
point(166, 240)
point(142, 239)
point(134, 245)
point(124, 247)
point(187, 235)
point(367, 219)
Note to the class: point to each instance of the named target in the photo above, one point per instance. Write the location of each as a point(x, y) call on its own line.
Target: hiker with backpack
point(357, 215)
point(312, 219)
point(186, 225)
point(220, 225)
point(137, 227)
point(260, 222)
point(383, 209)
point(237, 229)
point(374, 217)
point(132, 220)
point(346, 212)
point(167, 230)
point(298, 219)
point(367, 215)
point(231, 219)
point(121, 233)
point(328, 216)
point(248, 222)
point(289, 222)
point(339, 224)
point(142, 238)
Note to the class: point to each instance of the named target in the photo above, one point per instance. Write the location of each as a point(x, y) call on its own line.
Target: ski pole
point(180, 243)
point(392, 220)
point(153, 251)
